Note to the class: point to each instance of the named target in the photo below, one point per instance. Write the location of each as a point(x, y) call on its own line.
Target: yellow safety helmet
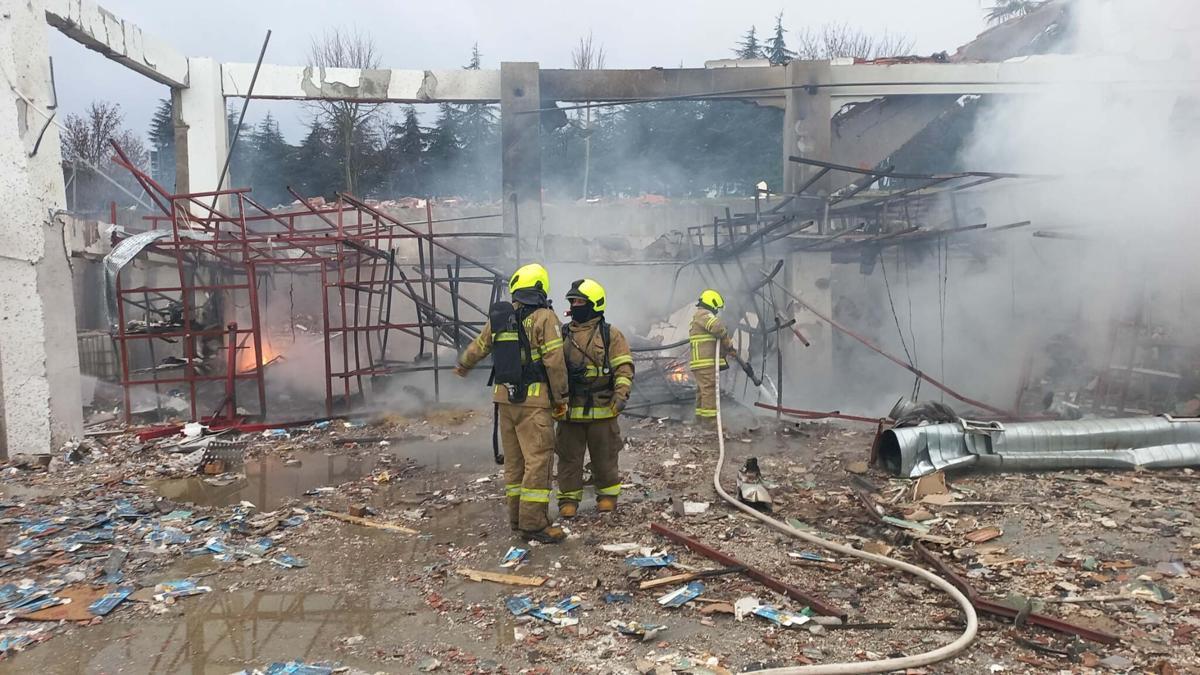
point(531, 277)
point(712, 299)
point(589, 290)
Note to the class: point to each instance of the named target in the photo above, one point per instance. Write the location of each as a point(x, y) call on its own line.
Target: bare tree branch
point(345, 48)
point(840, 40)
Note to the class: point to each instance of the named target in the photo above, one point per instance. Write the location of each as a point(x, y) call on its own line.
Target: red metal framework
point(381, 282)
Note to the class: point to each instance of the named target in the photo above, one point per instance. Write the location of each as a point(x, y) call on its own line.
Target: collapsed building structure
point(383, 295)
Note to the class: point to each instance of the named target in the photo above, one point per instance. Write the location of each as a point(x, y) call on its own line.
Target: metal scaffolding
point(379, 279)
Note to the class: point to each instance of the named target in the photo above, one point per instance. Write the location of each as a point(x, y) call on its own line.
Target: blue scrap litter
point(110, 601)
point(297, 668)
point(783, 618)
point(613, 597)
point(651, 561)
point(682, 595)
point(520, 605)
point(54, 541)
point(288, 561)
point(514, 556)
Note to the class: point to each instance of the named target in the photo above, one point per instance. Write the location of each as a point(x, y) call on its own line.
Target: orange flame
point(245, 356)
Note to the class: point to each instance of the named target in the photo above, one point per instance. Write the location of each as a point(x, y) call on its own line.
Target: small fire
point(245, 356)
point(679, 375)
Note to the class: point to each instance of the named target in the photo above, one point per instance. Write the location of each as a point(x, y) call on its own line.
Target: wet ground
point(380, 601)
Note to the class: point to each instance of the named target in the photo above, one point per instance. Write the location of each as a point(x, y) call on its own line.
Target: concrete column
point(806, 125)
point(39, 358)
point(521, 169)
point(201, 129)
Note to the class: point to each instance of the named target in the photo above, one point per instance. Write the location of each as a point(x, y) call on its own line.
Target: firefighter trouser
point(527, 435)
point(706, 393)
point(601, 440)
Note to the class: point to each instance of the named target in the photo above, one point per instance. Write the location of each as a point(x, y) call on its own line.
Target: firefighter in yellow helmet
point(600, 371)
point(703, 333)
point(530, 375)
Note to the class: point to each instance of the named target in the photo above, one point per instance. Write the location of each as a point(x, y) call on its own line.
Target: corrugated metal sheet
point(1123, 443)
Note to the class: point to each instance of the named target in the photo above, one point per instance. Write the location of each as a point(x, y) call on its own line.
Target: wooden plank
point(497, 577)
point(366, 522)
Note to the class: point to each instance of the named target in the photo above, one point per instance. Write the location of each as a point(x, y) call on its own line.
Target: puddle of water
point(223, 633)
point(269, 482)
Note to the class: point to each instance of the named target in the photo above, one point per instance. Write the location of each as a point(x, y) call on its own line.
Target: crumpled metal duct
point(1123, 443)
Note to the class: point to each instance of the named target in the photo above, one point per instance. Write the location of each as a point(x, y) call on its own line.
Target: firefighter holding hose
point(530, 377)
point(600, 372)
point(703, 333)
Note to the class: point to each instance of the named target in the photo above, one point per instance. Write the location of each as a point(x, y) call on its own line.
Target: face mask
point(581, 313)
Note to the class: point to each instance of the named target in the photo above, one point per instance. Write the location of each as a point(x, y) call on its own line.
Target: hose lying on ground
point(900, 663)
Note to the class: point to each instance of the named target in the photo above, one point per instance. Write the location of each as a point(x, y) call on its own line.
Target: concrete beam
point(618, 85)
point(39, 357)
point(353, 84)
point(201, 130)
point(521, 159)
point(100, 30)
point(868, 133)
point(1017, 76)
point(483, 86)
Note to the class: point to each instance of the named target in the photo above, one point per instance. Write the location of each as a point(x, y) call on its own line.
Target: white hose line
point(884, 665)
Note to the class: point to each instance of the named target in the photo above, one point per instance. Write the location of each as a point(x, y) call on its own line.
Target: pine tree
point(749, 47)
point(405, 156)
point(443, 150)
point(478, 141)
point(271, 156)
point(315, 171)
point(777, 52)
point(162, 140)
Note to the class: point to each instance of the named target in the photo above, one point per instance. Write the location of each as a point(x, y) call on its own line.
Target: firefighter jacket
point(545, 346)
point(703, 334)
point(595, 385)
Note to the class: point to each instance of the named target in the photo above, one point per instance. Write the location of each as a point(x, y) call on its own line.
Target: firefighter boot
point(606, 504)
point(567, 509)
point(551, 534)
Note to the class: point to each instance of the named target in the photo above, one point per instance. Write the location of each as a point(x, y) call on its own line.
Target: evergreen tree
point(749, 47)
point(443, 150)
point(271, 156)
point(479, 144)
point(404, 152)
point(315, 171)
point(162, 140)
point(777, 51)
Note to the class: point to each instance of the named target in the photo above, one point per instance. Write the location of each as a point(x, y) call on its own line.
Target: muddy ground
point(1122, 547)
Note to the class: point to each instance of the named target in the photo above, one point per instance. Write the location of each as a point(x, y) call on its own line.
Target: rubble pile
point(421, 535)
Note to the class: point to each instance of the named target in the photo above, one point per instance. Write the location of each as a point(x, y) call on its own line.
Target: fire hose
point(883, 665)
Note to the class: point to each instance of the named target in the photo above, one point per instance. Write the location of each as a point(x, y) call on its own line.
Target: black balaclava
point(584, 312)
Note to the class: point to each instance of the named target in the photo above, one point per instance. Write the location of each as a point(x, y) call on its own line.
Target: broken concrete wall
point(40, 363)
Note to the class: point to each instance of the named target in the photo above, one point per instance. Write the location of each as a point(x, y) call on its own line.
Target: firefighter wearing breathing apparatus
point(600, 372)
point(703, 333)
point(530, 376)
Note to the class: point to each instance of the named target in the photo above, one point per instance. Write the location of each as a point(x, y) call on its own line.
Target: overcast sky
point(432, 35)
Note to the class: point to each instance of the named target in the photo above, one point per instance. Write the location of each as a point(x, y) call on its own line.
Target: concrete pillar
point(201, 128)
point(806, 125)
point(521, 168)
point(39, 358)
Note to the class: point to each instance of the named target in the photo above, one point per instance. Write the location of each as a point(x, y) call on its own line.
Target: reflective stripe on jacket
point(584, 349)
point(704, 331)
point(545, 345)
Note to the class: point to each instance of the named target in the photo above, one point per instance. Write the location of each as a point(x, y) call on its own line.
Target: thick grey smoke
point(1119, 205)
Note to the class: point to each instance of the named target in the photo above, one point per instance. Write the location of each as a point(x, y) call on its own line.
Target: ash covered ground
point(1120, 548)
